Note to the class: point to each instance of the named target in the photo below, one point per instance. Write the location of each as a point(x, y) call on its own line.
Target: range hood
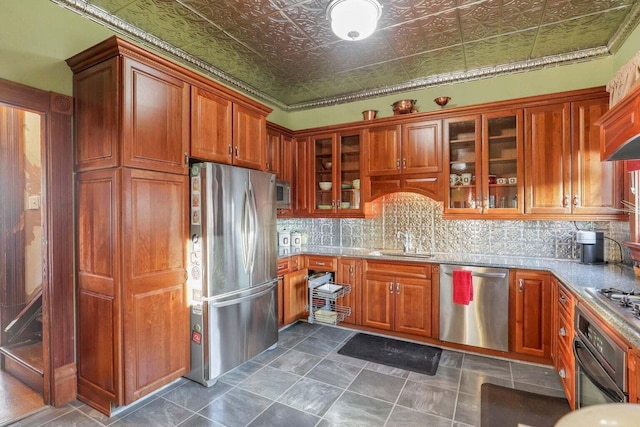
point(620, 129)
point(620, 126)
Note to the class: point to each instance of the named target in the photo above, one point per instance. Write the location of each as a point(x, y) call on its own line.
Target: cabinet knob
point(562, 299)
point(562, 373)
point(351, 270)
point(390, 287)
point(398, 288)
point(404, 163)
point(576, 200)
point(562, 332)
point(398, 164)
point(230, 151)
point(565, 201)
point(520, 285)
point(186, 159)
point(268, 166)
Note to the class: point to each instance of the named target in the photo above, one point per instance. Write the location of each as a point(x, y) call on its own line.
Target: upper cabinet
point(405, 149)
point(210, 126)
point(150, 96)
point(336, 163)
point(226, 132)
point(484, 158)
point(564, 173)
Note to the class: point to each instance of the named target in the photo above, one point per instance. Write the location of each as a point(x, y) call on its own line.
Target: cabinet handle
point(562, 373)
point(237, 151)
point(351, 270)
point(268, 166)
point(320, 263)
point(565, 201)
point(398, 288)
point(576, 200)
point(520, 285)
point(398, 164)
point(186, 159)
point(562, 299)
point(390, 287)
point(230, 151)
point(404, 163)
point(562, 332)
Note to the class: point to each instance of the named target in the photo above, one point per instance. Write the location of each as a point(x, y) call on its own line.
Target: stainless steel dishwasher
point(485, 321)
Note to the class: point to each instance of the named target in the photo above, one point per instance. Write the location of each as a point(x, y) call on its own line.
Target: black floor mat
point(419, 358)
point(507, 407)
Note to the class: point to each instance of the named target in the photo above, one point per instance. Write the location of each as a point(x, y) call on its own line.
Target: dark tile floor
point(304, 382)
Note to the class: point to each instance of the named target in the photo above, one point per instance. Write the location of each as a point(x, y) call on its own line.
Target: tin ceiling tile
point(561, 10)
point(512, 47)
point(334, 85)
point(436, 62)
point(273, 45)
point(577, 34)
point(494, 17)
point(421, 35)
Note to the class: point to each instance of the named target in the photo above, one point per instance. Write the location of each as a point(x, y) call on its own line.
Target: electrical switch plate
point(34, 202)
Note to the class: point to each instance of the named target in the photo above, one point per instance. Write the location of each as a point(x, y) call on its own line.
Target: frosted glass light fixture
point(354, 19)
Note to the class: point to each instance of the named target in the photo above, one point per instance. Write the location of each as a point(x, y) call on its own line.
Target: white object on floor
point(610, 414)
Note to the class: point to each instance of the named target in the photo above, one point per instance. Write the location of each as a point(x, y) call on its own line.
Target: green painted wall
point(36, 36)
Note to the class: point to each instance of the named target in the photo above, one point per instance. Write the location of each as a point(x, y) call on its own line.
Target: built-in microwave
point(283, 195)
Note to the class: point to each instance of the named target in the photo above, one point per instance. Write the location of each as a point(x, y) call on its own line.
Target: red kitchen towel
point(462, 287)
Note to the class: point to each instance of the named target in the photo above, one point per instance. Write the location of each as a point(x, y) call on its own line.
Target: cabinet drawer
point(565, 301)
point(403, 269)
point(566, 372)
point(564, 334)
point(283, 265)
point(322, 263)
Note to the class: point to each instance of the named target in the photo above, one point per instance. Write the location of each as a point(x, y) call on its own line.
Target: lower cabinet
point(399, 301)
point(350, 273)
point(295, 294)
point(633, 365)
point(530, 299)
point(564, 361)
point(132, 314)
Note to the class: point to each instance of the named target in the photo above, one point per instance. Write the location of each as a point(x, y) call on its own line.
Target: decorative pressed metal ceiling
point(284, 52)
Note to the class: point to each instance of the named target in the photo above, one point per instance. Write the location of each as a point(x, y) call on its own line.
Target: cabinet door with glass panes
point(502, 154)
point(337, 172)
point(463, 155)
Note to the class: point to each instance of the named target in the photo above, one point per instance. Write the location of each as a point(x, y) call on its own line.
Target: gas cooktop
point(624, 303)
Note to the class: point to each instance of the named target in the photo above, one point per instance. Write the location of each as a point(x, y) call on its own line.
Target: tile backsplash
point(422, 217)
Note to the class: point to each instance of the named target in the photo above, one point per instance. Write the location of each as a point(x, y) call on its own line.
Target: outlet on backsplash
point(422, 217)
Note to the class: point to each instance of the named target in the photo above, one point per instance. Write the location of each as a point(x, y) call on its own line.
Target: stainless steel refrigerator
point(232, 281)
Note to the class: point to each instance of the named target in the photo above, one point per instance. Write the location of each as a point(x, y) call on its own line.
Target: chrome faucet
point(406, 243)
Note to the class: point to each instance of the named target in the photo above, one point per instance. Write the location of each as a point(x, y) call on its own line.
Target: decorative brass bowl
point(442, 100)
point(404, 106)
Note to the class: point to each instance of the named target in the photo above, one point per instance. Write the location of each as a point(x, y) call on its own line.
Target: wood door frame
point(57, 229)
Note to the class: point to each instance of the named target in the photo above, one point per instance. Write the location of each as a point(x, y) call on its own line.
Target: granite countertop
point(572, 274)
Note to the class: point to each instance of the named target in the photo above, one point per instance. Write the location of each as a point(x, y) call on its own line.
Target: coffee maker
point(591, 246)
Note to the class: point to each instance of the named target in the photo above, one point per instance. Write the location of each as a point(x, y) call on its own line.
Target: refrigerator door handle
point(244, 298)
point(246, 230)
point(253, 227)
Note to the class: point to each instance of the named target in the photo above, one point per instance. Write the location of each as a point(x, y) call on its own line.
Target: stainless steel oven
point(600, 364)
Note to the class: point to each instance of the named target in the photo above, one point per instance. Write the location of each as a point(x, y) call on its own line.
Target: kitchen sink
point(402, 254)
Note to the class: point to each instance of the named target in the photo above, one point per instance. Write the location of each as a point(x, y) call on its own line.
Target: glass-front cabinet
point(337, 160)
point(485, 164)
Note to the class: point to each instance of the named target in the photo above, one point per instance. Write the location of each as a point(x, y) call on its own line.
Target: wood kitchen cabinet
point(563, 141)
point(562, 338)
point(633, 372)
point(398, 297)
point(227, 132)
point(133, 319)
point(129, 127)
point(349, 272)
point(530, 302)
point(411, 148)
point(485, 157)
point(336, 160)
point(295, 293)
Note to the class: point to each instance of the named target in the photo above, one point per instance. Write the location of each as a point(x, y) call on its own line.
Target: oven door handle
point(598, 376)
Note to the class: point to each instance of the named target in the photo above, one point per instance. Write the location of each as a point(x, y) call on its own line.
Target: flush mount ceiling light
point(354, 19)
